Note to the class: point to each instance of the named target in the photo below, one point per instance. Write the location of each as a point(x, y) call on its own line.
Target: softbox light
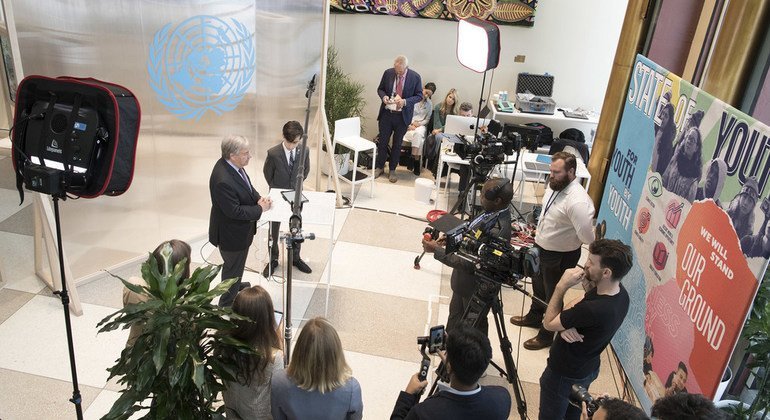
point(76, 136)
point(478, 44)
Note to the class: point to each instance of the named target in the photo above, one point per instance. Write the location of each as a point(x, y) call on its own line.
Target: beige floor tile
point(10, 302)
point(32, 397)
point(374, 324)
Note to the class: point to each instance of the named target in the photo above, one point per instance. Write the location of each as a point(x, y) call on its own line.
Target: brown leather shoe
point(537, 343)
point(392, 177)
point(526, 321)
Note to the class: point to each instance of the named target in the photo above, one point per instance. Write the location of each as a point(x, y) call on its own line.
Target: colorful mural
point(501, 12)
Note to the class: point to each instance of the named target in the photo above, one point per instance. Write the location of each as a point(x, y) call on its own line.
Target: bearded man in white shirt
point(565, 225)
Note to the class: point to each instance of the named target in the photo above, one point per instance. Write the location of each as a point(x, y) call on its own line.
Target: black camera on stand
point(488, 149)
point(494, 259)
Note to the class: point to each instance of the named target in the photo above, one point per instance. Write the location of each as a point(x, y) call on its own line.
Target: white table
point(556, 122)
point(358, 145)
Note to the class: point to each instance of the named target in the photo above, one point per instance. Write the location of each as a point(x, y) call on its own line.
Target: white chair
point(347, 132)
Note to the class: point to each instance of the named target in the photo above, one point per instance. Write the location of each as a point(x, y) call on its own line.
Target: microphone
point(310, 86)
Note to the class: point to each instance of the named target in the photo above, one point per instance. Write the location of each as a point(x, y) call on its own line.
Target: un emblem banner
point(203, 64)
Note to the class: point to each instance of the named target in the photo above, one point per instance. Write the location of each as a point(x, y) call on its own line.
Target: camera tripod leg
point(486, 297)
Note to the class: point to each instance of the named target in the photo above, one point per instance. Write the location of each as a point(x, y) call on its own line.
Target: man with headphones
point(496, 195)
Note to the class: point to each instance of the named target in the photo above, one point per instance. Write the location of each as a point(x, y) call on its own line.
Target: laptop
point(542, 164)
point(463, 126)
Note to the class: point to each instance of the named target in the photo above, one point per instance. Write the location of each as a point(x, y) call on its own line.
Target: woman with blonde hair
point(449, 106)
point(318, 383)
point(248, 397)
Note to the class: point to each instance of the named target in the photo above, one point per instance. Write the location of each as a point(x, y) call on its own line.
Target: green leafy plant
point(344, 96)
point(176, 363)
point(757, 332)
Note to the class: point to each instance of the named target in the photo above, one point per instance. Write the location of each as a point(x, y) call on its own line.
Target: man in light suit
point(281, 167)
point(235, 208)
point(400, 88)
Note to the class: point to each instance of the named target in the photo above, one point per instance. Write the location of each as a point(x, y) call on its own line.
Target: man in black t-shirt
point(585, 326)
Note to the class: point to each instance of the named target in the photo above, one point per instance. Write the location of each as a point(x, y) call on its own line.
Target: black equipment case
point(83, 127)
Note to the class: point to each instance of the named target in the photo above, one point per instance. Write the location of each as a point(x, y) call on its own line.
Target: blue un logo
point(205, 63)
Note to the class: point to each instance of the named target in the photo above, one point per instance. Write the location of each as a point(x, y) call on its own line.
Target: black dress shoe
point(302, 266)
point(526, 321)
point(537, 343)
point(269, 268)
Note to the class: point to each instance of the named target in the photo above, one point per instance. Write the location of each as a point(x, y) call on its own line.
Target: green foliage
point(344, 96)
point(177, 362)
point(757, 332)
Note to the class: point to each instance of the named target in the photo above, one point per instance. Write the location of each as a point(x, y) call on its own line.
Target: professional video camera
point(580, 395)
point(495, 259)
point(488, 149)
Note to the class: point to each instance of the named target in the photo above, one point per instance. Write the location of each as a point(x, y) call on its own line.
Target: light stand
point(295, 236)
point(65, 301)
point(478, 48)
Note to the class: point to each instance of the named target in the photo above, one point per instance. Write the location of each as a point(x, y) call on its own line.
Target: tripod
point(478, 176)
point(486, 296)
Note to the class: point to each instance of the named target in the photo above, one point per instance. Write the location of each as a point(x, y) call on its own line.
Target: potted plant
point(344, 99)
point(757, 333)
point(175, 368)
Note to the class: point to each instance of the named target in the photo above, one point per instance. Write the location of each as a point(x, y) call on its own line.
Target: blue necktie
point(291, 161)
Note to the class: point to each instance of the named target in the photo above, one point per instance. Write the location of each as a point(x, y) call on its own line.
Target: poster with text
point(687, 188)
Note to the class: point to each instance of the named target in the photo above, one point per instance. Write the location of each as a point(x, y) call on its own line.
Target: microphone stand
point(294, 236)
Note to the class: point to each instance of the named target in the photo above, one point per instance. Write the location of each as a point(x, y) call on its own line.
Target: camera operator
point(585, 325)
point(496, 195)
point(684, 406)
point(564, 226)
point(468, 353)
point(614, 409)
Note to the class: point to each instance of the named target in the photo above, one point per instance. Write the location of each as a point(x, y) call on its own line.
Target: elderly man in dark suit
point(281, 167)
point(235, 208)
point(400, 88)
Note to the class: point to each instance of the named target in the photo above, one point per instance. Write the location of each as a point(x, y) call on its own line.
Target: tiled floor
point(378, 302)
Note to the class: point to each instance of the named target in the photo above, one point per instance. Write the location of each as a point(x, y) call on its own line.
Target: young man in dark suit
point(400, 88)
point(235, 208)
point(281, 167)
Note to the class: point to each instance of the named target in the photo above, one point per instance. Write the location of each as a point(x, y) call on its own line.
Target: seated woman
point(318, 383)
point(415, 133)
point(433, 143)
point(180, 250)
point(248, 397)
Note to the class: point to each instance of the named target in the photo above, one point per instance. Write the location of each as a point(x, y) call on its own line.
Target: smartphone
point(278, 317)
point(436, 340)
